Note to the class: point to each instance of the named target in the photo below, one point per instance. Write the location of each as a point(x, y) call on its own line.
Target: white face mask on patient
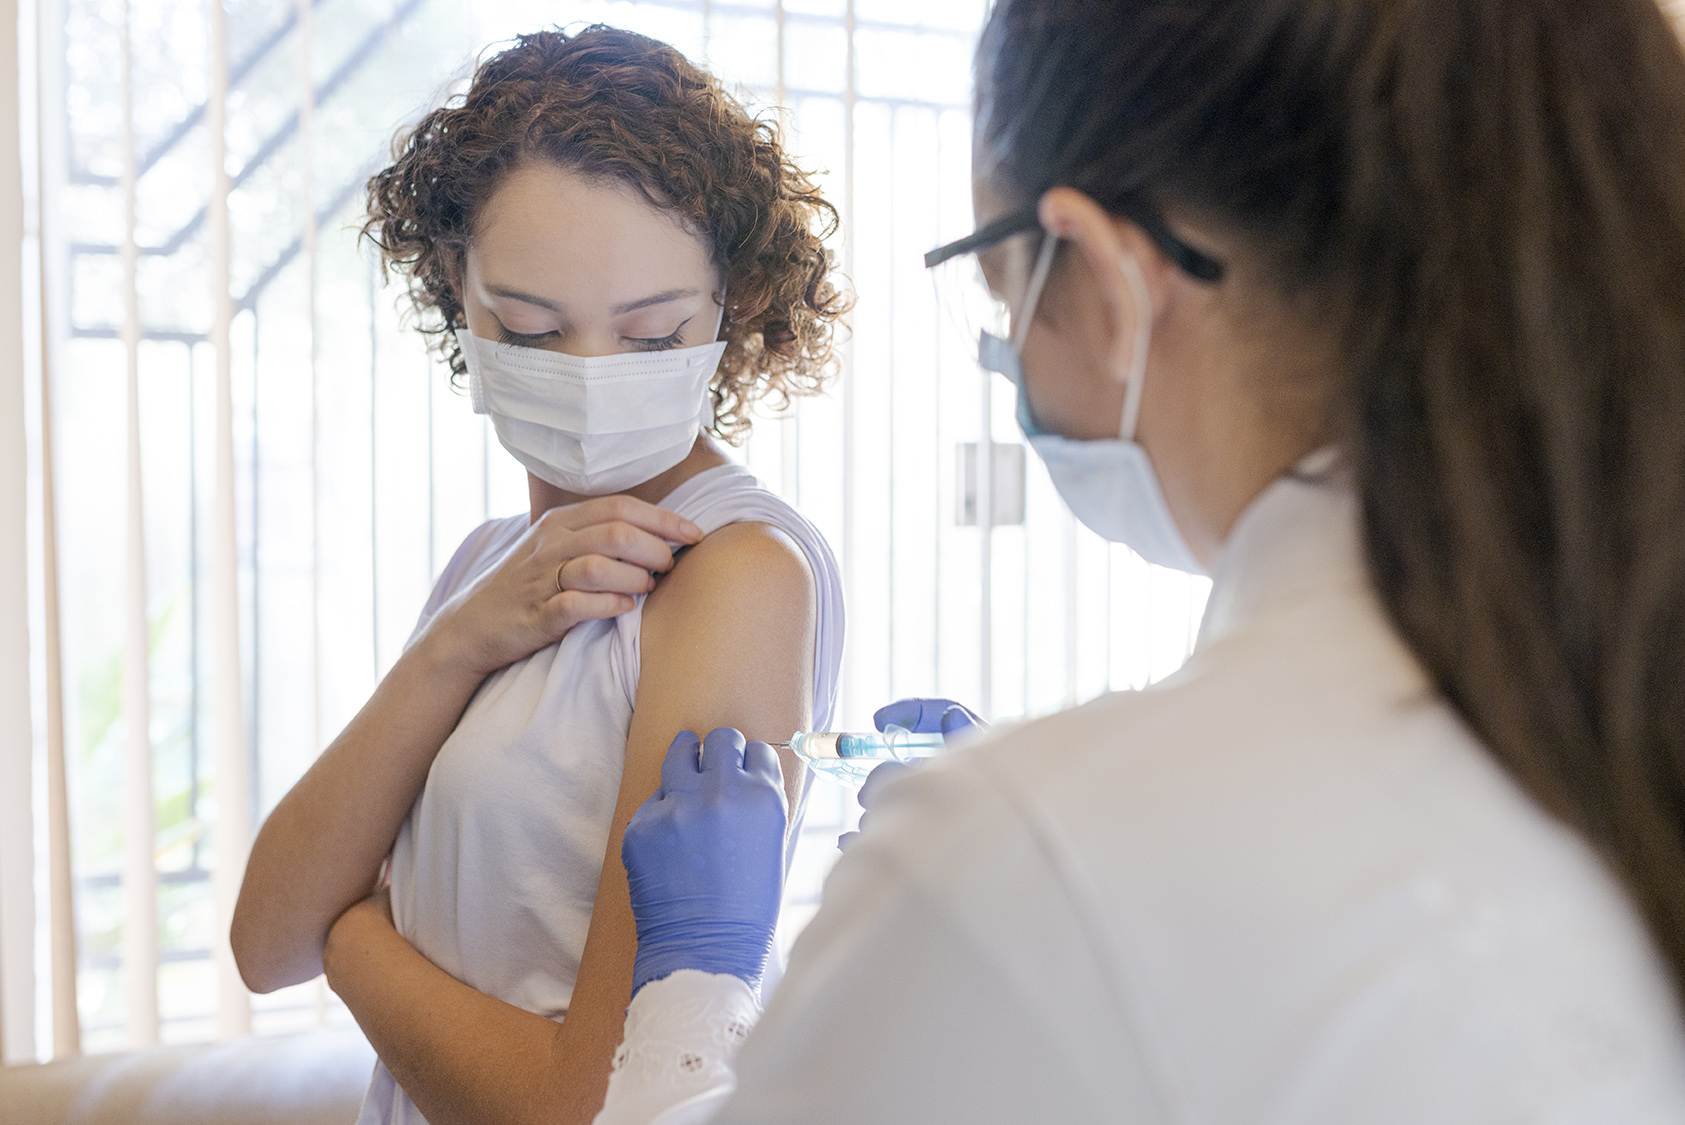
point(1109, 485)
point(592, 425)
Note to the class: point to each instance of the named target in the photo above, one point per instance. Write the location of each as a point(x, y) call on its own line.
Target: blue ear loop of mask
point(1109, 485)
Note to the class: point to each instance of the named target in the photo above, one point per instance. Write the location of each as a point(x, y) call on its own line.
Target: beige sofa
point(313, 1078)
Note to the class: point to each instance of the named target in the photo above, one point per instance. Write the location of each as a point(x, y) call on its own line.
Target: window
point(256, 470)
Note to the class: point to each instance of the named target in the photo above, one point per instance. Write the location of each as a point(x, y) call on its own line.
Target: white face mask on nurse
point(1162, 395)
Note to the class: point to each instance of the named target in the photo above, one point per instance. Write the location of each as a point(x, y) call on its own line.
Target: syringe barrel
point(894, 745)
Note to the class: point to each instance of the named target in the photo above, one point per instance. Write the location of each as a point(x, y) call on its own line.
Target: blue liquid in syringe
point(851, 756)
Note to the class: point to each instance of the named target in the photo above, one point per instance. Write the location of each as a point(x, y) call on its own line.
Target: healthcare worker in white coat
point(1388, 299)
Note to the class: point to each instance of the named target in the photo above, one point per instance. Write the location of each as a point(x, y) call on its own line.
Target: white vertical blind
point(307, 236)
point(58, 1012)
point(233, 827)
point(18, 988)
point(297, 469)
point(140, 872)
point(850, 401)
point(61, 944)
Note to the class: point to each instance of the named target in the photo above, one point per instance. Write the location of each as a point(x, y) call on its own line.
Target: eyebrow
point(524, 298)
point(658, 299)
point(618, 310)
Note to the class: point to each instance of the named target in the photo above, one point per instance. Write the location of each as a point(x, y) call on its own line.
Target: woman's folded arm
point(320, 850)
point(462, 1056)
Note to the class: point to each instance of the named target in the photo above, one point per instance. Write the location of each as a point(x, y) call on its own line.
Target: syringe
point(851, 757)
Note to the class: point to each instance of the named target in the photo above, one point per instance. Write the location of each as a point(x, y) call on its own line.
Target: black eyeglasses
point(1196, 264)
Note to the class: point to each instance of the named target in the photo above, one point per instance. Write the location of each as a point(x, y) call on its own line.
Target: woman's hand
point(582, 562)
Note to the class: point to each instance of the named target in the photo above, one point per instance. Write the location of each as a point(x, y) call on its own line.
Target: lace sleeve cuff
point(675, 1064)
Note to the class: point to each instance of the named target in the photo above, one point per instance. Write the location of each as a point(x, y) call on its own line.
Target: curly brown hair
point(620, 106)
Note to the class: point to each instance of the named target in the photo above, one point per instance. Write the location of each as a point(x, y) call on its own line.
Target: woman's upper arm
point(727, 640)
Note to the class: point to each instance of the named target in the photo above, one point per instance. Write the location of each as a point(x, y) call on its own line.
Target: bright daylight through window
point(257, 472)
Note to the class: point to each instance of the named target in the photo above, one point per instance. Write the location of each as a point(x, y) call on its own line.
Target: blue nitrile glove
point(705, 860)
point(922, 716)
point(928, 716)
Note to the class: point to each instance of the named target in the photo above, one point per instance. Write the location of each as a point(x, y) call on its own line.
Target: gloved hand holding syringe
point(704, 854)
point(908, 730)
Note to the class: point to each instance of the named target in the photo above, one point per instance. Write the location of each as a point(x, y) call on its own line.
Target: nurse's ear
point(1105, 241)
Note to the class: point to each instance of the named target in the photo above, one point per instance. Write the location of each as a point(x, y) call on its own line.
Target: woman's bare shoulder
point(747, 557)
point(742, 577)
point(727, 639)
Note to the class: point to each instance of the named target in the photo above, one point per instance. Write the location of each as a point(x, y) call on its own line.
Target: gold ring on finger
point(559, 588)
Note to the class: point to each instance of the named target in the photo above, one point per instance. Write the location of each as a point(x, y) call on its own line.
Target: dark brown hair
point(620, 106)
point(1490, 196)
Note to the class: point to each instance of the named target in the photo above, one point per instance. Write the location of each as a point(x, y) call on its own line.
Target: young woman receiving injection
point(621, 262)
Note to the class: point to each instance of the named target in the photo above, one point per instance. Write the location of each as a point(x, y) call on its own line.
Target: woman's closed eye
point(659, 343)
point(524, 339)
point(674, 339)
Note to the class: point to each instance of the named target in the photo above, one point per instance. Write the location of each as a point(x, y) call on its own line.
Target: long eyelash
point(518, 338)
point(665, 343)
point(662, 344)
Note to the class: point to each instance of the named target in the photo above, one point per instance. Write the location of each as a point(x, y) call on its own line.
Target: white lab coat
point(1285, 885)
